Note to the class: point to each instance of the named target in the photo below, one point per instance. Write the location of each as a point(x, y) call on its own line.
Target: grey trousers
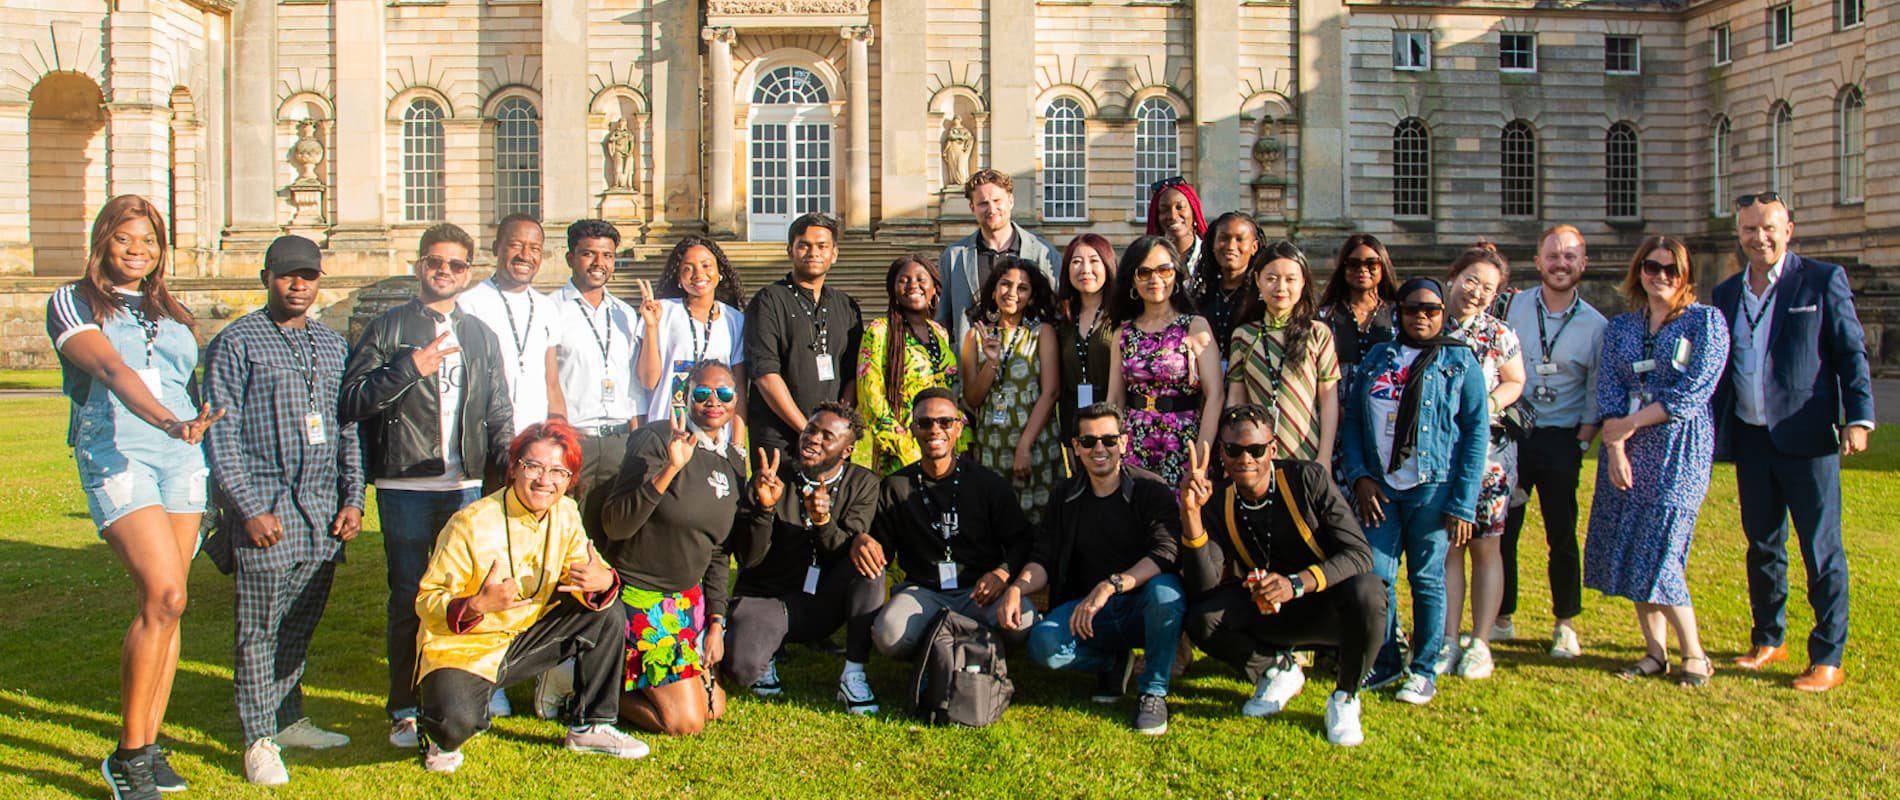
point(901, 625)
point(277, 613)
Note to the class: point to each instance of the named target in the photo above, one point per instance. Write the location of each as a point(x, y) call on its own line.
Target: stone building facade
point(358, 122)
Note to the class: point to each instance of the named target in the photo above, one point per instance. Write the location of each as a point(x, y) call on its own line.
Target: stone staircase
point(859, 269)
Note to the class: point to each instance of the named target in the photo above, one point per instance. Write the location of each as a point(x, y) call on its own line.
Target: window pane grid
point(517, 158)
point(1621, 54)
point(770, 184)
point(1781, 135)
point(1411, 169)
point(811, 169)
point(1064, 162)
point(1157, 149)
point(1721, 160)
point(1853, 172)
point(1519, 170)
point(1781, 25)
point(1621, 173)
point(1517, 52)
point(1411, 50)
point(791, 86)
point(423, 195)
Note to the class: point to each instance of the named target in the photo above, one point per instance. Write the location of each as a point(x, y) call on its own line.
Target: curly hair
point(849, 414)
point(728, 291)
point(1042, 298)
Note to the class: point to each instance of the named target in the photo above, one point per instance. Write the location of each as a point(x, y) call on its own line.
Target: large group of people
point(1191, 442)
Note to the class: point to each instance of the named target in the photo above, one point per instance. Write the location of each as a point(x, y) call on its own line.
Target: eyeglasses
point(1089, 442)
point(1651, 266)
point(1477, 287)
point(702, 393)
point(1423, 309)
point(438, 262)
point(1234, 449)
point(1374, 264)
point(1166, 183)
point(534, 470)
point(1155, 273)
point(926, 423)
point(1759, 197)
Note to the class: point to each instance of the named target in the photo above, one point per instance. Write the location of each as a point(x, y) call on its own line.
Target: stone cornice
point(221, 7)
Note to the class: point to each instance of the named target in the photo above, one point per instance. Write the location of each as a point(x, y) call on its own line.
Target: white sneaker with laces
point(440, 760)
point(304, 733)
point(1449, 657)
point(1504, 631)
point(264, 764)
point(1342, 720)
point(1476, 665)
point(606, 740)
point(1274, 690)
point(768, 684)
point(1418, 690)
point(854, 690)
point(1564, 642)
point(402, 733)
point(498, 705)
point(552, 690)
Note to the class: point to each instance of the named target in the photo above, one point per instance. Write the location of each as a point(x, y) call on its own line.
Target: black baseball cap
point(292, 254)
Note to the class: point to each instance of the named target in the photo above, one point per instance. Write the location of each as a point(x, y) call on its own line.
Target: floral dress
point(1158, 365)
point(1004, 415)
point(1494, 343)
point(886, 445)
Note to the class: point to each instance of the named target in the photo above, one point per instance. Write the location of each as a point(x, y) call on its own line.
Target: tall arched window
point(1781, 149)
point(1852, 123)
point(517, 158)
point(1519, 169)
point(1064, 162)
point(423, 198)
point(1719, 159)
point(1622, 172)
point(1157, 149)
point(1411, 169)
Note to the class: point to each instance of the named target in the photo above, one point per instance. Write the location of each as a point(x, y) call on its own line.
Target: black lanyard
point(521, 336)
point(1274, 368)
point(1761, 310)
point(150, 326)
point(1002, 359)
point(508, 540)
point(1546, 344)
point(1245, 517)
point(1083, 339)
point(604, 339)
point(692, 327)
point(929, 341)
point(306, 358)
point(814, 310)
point(945, 523)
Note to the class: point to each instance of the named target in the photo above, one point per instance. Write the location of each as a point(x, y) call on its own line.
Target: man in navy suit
point(1795, 398)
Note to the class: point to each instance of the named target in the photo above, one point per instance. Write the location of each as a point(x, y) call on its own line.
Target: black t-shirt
point(782, 326)
point(991, 530)
point(1221, 308)
point(669, 542)
point(1114, 540)
point(778, 546)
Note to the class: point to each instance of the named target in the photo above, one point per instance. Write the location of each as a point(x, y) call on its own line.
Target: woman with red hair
point(1174, 212)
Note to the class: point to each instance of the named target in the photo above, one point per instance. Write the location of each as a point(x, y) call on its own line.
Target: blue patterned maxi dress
point(1638, 541)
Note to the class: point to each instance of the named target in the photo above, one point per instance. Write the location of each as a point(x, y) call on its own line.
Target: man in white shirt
point(522, 318)
point(596, 339)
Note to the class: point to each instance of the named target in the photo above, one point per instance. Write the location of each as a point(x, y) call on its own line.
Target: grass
point(1540, 728)
point(29, 379)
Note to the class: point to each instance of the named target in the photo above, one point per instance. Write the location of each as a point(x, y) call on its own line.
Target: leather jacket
point(396, 407)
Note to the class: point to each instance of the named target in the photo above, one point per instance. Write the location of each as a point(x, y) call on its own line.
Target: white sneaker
point(854, 689)
point(552, 690)
point(440, 760)
point(1476, 665)
point(1418, 690)
point(1449, 657)
point(498, 705)
point(1564, 643)
point(1504, 631)
point(264, 764)
point(606, 740)
point(402, 733)
point(1342, 720)
point(1274, 690)
point(304, 733)
point(768, 684)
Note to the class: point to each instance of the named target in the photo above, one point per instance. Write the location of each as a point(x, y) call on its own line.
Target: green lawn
point(1539, 728)
point(22, 379)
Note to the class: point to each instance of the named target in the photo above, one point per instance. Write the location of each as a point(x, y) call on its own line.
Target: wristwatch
point(1299, 585)
point(1116, 582)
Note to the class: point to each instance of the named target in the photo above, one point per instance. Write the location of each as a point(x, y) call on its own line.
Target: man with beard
point(524, 320)
point(801, 338)
point(966, 262)
point(796, 581)
point(1107, 555)
point(426, 386)
point(290, 486)
point(1562, 336)
point(957, 531)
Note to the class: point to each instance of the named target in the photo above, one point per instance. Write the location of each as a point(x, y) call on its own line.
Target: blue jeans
point(410, 520)
point(1149, 617)
point(1414, 528)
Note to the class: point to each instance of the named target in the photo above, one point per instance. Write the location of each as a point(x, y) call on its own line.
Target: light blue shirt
point(1569, 373)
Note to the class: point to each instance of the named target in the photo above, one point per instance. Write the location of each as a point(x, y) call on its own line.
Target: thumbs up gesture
point(587, 577)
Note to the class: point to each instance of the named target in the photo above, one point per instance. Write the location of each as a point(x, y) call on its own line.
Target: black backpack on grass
point(961, 678)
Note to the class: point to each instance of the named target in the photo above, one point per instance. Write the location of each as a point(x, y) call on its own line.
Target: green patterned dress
point(1004, 415)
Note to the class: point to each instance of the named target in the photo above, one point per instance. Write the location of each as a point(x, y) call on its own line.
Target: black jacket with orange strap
point(1313, 534)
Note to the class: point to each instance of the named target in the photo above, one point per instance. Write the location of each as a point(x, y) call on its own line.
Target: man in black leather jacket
point(425, 386)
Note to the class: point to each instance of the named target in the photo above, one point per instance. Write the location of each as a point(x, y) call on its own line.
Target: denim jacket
point(1453, 418)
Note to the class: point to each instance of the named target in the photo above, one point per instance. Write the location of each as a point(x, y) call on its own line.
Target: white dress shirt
point(595, 349)
point(523, 320)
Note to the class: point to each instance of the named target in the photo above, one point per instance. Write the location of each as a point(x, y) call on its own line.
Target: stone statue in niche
point(958, 144)
point(306, 154)
point(619, 155)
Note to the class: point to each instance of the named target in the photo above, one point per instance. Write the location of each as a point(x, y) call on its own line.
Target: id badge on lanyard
point(947, 575)
point(826, 371)
point(1084, 396)
point(811, 579)
point(313, 430)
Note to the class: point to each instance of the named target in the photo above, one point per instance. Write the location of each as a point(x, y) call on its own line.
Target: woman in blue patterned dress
point(1660, 363)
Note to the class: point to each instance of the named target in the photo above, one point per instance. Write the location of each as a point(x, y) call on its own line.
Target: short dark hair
point(849, 414)
point(445, 232)
point(592, 229)
point(700, 368)
point(932, 393)
point(1247, 414)
point(810, 219)
point(516, 218)
point(1101, 411)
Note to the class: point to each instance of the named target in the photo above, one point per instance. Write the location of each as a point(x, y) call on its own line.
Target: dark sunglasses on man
point(926, 423)
point(1235, 449)
point(1105, 440)
point(1759, 197)
point(438, 262)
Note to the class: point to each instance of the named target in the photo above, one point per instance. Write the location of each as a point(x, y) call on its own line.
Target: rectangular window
point(1719, 39)
point(1622, 55)
point(1517, 52)
point(1412, 50)
point(1781, 26)
point(1850, 13)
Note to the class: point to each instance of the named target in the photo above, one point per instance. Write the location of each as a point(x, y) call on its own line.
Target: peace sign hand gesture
point(1196, 487)
point(992, 343)
point(587, 577)
point(428, 358)
point(767, 488)
point(649, 308)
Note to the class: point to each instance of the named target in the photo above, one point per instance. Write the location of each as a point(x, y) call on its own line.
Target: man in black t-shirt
point(1107, 554)
point(955, 529)
point(801, 338)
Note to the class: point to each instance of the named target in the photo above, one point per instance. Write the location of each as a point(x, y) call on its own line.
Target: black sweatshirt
point(670, 542)
point(1325, 547)
point(1088, 538)
point(777, 547)
point(992, 531)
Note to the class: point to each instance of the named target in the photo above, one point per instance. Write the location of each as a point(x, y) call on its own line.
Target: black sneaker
point(1112, 683)
point(130, 778)
point(1151, 715)
point(163, 776)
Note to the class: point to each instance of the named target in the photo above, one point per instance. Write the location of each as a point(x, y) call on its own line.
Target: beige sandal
point(1648, 666)
point(1695, 679)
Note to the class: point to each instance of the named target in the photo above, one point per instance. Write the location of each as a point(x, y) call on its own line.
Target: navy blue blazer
point(1816, 370)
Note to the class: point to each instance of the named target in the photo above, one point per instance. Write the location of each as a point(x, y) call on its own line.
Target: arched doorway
point(790, 151)
point(66, 169)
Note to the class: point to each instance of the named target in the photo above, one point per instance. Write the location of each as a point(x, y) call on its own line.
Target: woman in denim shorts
point(126, 351)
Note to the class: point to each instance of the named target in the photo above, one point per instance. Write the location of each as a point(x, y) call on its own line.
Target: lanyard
point(692, 326)
point(1084, 339)
point(1246, 520)
point(1761, 309)
point(806, 486)
point(521, 335)
point(603, 338)
point(306, 359)
point(820, 330)
point(150, 326)
point(1274, 368)
point(508, 540)
point(929, 342)
point(1546, 344)
point(1009, 346)
point(945, 523)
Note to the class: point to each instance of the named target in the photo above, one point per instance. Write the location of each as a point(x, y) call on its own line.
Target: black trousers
point(455, 702)
point(1548, 464)
point(1227, 625)
point(600, 463)
point(757, 626)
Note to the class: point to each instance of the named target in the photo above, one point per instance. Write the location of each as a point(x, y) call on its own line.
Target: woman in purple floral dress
point(1164, 371)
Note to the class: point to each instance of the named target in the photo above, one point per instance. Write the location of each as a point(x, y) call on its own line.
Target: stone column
point(361, 133)
point(719, 210)
point(567, 157)
point(857, 215)
point(676, 130)
point(1324, 88)
point(252, 185)
point(16, 238)
point(138, 110)
point(1216, 104)
point(1011, 73)
point(902, 119)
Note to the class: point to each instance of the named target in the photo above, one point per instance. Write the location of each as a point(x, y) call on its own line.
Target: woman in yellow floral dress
point(888, 377)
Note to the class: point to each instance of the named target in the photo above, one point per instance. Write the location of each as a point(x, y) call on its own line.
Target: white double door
point(791, 158)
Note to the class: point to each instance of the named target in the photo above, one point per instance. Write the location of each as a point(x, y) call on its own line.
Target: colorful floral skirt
point(663, 630)
point(1494, 491)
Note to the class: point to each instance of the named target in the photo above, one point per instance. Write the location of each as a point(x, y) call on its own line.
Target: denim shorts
point(119, 481)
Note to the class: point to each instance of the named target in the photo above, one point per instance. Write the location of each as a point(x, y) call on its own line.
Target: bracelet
point(1195, 543)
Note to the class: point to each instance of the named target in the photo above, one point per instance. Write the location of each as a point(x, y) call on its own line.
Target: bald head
point(1764, 230)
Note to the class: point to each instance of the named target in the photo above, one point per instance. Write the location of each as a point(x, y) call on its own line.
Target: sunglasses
point(702, 393)
point(1089, 442)
point(926, 423)
point(1759, 197)
point(1653, 267)
point(1373, 264)
point(1423, 309)
point(1234, 450)
point(1166, 183)
point(1154, 273)
point(438, 262)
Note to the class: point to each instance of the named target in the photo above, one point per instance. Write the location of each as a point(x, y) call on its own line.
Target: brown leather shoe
point(1820, 678)
point(1762, 655)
